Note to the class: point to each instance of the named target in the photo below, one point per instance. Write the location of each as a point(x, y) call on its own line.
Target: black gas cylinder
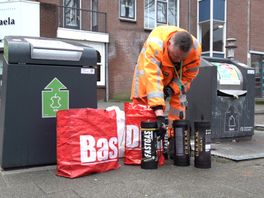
point(202, 134)
point(149, 145)
point(181, 142)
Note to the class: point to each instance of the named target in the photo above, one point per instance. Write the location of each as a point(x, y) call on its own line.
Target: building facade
point(117, 29)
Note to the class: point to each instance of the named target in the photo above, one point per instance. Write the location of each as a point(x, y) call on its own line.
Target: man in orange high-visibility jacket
point(166, 66)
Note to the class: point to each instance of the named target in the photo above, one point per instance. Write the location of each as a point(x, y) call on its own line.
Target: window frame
point(258, 75)
point(157, 12)
point(211, 20)
point(94, 15)
point(99, 47)
point(123, 18)
point(155, 15)
point(78, 27)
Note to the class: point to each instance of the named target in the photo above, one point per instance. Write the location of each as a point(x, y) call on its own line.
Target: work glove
point(161, 126)
point(167, 92)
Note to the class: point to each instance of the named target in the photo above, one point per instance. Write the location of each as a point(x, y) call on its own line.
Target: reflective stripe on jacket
point(154, 69)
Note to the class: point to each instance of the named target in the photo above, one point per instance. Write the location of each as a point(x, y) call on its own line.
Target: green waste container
point(40, 77)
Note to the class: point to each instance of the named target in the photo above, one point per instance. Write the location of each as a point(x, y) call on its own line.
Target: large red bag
point(86, 142)
point(134, 114)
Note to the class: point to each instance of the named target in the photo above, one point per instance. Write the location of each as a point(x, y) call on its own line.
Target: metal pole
point(106, 74)
point(248, 33)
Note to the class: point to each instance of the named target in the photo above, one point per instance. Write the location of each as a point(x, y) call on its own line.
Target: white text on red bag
point(98, 151)
point(132, 137)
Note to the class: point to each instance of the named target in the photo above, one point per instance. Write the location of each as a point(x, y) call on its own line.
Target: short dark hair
point(183, 40)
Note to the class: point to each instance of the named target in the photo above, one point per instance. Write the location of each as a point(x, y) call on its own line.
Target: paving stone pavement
point(226, 178)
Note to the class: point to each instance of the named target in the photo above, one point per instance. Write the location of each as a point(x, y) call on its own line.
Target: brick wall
point(184, 14)
point(193, 15)
point(126, 41)
point(48, 20)
point(188, 19)
point(237, 27)
point(127, 38)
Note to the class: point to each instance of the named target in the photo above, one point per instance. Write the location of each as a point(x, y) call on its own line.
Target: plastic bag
point(86, 142)
point(120, 120)
point(135, 113)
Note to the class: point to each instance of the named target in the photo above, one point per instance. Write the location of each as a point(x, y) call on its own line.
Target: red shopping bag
point(86, 142)
point(134, 114)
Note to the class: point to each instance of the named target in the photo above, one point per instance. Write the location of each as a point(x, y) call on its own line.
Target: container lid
point(149, 124)
point(46, 51)
point(202, 124)
point(180, 123)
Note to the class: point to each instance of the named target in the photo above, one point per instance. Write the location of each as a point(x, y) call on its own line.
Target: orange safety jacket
point(154, 71)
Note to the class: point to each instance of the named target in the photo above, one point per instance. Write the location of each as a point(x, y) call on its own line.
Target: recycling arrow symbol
point(55, 97)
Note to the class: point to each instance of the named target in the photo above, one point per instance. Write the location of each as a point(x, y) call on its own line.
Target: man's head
point(179, 46)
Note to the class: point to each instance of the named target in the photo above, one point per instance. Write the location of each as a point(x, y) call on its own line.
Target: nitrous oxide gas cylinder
point(149, 145)
point(202, 133)
point(181, 143)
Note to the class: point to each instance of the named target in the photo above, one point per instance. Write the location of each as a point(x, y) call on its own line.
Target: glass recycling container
point(224, 94)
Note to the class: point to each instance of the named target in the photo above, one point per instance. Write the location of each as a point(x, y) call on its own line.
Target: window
point(158, 12)
point(98, 65)
point(212, 27)
point(94, 15)
point(257, 62)
point(149, 17)
point(218, 36)
point(205, 33)
point(162, 12)
point(72, 14)
point(101, 61)
point(172, 13)
point(127, 9)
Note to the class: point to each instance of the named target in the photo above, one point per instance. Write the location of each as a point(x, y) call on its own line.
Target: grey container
point(40, 77)
point(224, 94)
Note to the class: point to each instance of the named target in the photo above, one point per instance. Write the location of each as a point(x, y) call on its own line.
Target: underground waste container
point(224, 94)
point(40, 77)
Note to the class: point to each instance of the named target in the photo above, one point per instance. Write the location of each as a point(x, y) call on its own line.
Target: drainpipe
point(248, 33)
point(106, 74)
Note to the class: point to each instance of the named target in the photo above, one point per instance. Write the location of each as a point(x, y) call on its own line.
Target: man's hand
point(161, 126)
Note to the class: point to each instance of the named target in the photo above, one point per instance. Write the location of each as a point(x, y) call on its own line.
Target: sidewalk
point(226, 178)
